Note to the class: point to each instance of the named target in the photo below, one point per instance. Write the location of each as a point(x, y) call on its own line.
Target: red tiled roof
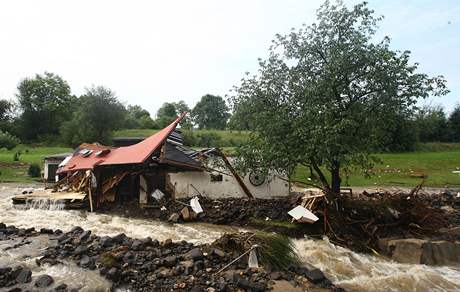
point(133, 154)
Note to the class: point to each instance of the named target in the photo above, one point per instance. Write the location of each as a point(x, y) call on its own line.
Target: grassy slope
point(16, 171)
point(224, 134)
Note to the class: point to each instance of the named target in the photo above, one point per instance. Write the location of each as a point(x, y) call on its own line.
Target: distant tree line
point(45, 110)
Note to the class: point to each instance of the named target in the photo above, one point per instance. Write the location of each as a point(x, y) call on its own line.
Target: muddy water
point(352, 271)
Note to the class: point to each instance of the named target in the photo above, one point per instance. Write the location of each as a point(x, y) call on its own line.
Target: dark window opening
point(216, 177)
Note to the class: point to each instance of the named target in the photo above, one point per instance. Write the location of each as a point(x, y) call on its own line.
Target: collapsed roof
point(88, 156)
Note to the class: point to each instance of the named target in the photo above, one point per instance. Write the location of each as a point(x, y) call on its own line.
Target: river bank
point(345, 268)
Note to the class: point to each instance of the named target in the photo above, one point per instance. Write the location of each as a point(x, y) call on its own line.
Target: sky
point(151, 52)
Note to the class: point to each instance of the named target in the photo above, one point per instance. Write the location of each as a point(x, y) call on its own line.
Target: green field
point(405, 169)
point(396, 169)
point(16, 171)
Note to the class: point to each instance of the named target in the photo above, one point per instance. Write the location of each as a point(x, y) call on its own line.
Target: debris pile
point(149, 265)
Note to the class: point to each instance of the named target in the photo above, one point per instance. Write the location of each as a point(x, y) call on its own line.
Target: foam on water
point(360, 272)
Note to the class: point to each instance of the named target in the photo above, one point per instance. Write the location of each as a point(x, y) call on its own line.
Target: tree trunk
point(335, 178)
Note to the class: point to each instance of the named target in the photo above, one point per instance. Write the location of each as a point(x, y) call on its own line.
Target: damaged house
point(158, 166)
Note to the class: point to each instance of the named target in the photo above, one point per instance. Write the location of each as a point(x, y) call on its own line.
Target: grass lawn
point(400, 169)
point(395, 169)
point(16, 171)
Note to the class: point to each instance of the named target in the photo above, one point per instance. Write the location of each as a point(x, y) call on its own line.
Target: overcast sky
point(150, 52)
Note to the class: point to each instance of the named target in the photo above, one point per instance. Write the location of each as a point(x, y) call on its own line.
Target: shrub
point(34, 170)
point(16, 156)
point(8, 141)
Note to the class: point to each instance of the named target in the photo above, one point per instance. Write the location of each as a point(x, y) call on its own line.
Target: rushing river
point(352, 271)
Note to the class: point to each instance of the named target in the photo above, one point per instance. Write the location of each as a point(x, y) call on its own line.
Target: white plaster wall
point(228, 187)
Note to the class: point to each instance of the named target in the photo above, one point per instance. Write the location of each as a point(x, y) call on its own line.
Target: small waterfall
point(45, 204)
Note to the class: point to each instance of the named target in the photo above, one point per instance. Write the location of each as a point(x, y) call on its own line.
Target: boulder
point(43, 281)
point(420, 251)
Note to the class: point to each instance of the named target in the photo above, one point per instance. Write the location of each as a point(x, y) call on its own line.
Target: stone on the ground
point(315, 276)
point(43, 281)
point(194, 254)
point(24, 276)
point(61, 287)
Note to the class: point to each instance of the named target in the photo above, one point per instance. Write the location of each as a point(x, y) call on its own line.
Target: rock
point(315, 276)
point(24, 276)
point(86, 261)
point(112, 273)
point(43, 281)
point(219, 253)
point(252, 286)
point(137, 244)
point(81, 249)
point(46, 231)
point(76, 230)
point(174, 218)
point(185, 212)
point(170, 261)
point(120, 238)
point(419, 251)
point(275, 275)
point(194, 254)
point(285, 286)
point(85, 235)
point(106, 241)
point(61, 288)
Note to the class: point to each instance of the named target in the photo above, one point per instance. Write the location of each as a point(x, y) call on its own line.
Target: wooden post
point(90, 198)
point(235, 174)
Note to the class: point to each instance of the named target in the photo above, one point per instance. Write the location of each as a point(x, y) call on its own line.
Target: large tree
point(169, 111)
point(99, 112)
point(211, 112)
point(44, 102)
point(325, 93)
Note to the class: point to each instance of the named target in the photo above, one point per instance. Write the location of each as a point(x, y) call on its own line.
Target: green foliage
point(276, 250)
point(99, 113)
point(325, 95)
point(45, 102)
point(34, 170)
point(211, 112)
point(169, 111)
point(454, 125)
point(8, 141)
point(431, 123)
point(137, 118)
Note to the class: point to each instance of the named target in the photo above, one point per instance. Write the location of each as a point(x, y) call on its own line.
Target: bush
point(34, 170)
point(16, 156)
point(8, 141)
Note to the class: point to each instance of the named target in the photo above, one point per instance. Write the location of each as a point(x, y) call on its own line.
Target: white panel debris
point(252, 261)
point(196, 207)
point(157, 194)
point(302, 214)
point(64, 162)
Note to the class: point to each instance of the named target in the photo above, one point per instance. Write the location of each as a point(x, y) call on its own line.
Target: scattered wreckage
point(149, 172)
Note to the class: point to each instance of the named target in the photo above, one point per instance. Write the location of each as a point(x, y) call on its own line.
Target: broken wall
point(192, 183)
